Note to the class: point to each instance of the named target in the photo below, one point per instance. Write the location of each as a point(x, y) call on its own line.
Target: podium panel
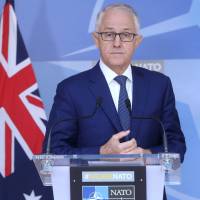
point(108, 182)
point(62, 189)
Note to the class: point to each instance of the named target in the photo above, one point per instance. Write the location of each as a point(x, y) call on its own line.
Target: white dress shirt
point(114, 85)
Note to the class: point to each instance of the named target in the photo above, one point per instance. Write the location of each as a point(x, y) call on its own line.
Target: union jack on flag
point(22, 116)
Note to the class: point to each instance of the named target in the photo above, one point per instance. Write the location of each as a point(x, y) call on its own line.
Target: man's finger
point(121, 134)
point(131, 144)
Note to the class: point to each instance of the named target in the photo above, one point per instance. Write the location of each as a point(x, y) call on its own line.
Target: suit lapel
point(99, 88)
point(139, 98)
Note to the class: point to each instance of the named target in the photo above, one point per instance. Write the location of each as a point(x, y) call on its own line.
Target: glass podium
point(85, 177)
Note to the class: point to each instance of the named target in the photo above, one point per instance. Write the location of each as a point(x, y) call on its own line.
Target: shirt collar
point(110, 74)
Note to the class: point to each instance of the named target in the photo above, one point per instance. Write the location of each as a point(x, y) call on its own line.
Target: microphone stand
point(47, 162)
point(164, 136)
point(167, 159)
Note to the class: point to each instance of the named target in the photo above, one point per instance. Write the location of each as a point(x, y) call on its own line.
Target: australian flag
point(22, 116)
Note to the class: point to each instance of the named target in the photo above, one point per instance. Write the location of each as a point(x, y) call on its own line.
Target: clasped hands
point(114, 146)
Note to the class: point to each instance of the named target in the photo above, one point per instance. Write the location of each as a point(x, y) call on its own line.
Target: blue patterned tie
point(123, 112)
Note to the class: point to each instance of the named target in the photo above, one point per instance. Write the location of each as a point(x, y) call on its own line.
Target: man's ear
point(138, 40)
point(96, 39)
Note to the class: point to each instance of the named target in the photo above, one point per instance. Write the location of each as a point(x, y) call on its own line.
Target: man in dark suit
point(114, 90)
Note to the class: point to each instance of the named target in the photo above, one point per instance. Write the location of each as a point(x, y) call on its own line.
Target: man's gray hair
point(121, 6)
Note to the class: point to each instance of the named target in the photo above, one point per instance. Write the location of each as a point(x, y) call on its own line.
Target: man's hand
point(139, 150)
point(113, 146)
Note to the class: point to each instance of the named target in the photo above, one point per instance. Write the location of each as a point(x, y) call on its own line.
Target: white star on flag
point(32, 196)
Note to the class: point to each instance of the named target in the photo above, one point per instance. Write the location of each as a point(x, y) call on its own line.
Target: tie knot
point(121, 80)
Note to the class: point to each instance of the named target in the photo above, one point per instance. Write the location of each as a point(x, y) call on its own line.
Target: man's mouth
point(116, 52)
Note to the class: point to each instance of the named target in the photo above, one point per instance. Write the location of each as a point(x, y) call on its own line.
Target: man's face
point(117, 54)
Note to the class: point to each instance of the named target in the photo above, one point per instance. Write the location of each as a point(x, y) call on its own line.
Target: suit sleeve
point(63, 121)
point(170, 119)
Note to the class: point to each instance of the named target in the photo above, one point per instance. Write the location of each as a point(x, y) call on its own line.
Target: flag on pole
point(22, 116)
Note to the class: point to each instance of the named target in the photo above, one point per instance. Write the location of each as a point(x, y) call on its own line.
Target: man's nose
point(117, 41)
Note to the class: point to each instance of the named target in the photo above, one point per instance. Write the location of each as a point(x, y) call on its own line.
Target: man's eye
point(126, 34)
point(109, 34)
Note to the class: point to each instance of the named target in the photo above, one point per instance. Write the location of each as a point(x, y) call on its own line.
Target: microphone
point(164, 136)
point(97, 105)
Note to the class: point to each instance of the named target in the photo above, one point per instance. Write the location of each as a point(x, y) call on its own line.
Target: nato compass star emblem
point(95, 196)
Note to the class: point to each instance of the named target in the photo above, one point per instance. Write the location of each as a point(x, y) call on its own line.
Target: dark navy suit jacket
point(76, 97)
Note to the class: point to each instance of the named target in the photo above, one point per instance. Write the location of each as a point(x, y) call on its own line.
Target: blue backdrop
point(57, 35)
